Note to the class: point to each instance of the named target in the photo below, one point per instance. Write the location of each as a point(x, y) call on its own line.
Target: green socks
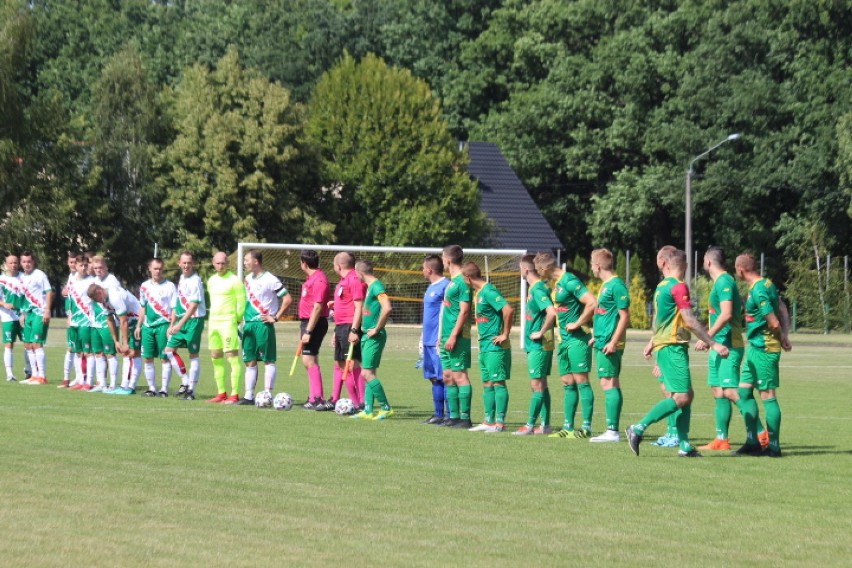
point(536, 402)
point(587, 399)
point(571, 398)
point(490, 404)
point(219, 374)
point(773, 422)
point(671, 423)
point(545, 407)
point(723, 417)
point(465, 400)
point(501, 399)
point(661, 410)
point(748, 408)
point(369, 397)
point(614, 401)
point(683, 420)
point(452, 393)
point(378, 391)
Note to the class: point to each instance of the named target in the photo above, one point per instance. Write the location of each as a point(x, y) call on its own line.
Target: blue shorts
point(432, 368)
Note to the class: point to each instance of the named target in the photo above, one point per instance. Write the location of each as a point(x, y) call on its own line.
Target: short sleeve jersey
point(315, 290)
point(433, 299)
point(671, 296)
point(613, 296)
point(108, 281)
point(227, 298)
point(190, 290)
point(488, 304)
point(10, 293)
point(538, 300)
point(372, 305)
point(457, 292)
point(263, 296)
point(68, 284)
point(349, 290)
point(725, 290)
point(762, 300)
point(157, 301)
point(122, 303)
point(566, 298)
point(36, 287)
point(82, 311)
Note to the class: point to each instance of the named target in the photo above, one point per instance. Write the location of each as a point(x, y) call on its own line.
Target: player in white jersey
point(10, 301)
point(123, 305)
point(156, 297)
point(103, 344)
point(187, 324)
point(266, 301)
point(80, 319)
point(70, 332)
point(35, 316)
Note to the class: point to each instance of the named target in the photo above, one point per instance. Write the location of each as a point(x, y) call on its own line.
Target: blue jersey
point(432, 301)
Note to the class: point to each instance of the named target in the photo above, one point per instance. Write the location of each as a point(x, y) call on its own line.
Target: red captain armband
point(680, 293)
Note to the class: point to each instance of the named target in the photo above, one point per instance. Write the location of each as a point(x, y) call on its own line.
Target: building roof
point(518, 221)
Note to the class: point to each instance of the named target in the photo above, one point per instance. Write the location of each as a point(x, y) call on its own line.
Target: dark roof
point(518, 221)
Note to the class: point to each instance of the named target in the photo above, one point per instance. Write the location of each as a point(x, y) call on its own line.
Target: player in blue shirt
point(433, 271)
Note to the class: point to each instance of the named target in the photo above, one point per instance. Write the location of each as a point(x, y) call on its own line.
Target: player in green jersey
point(767, 325)
point(538, 343)
point(673, 320)
point(455, 339)
point(612, 317)
point(575, 306)
point(493, 316)
point(227, 304)
point(370, 317)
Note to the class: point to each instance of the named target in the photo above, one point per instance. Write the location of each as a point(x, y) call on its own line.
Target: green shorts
point(609, 366)
point(223, 336)
point(444, 356)
point(673, 361)
point(102, 341)
point(153, 340)
point(539, 363)
point(35, 330)
point(459, 357)
point(259, 342)
point(189, 336)
point(11, 331)
point(82, 340)
point(132, 342)
point(761, 369)
point(724, 372)
point(495, 366)
point(372, 348)
point(575, 356)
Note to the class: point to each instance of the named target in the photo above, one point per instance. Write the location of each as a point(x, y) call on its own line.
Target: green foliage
point(237, 168)
point(390, 165)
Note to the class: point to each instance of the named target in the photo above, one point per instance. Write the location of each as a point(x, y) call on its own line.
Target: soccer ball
point(282, 401)
point(344, 406)
point(263, 399)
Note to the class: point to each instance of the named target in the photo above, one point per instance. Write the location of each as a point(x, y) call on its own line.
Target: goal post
point(401, 271)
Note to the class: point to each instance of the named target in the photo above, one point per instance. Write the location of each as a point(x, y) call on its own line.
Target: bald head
point(220, 262)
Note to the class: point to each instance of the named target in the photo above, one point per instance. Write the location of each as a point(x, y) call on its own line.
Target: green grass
point(94, 480)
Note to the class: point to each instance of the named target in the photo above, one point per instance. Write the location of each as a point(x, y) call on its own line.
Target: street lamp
point(688, 227)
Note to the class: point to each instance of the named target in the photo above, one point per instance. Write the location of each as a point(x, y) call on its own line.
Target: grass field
point(94, 480)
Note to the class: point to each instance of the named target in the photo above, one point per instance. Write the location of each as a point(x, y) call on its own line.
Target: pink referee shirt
point(315, 290)
point(349, 290)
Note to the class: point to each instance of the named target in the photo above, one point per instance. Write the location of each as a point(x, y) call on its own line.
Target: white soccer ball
point(282, 401)
point(263, 399)
point(344, 406)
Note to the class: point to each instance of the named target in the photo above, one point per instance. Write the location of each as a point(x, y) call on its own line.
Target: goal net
point(401, 271)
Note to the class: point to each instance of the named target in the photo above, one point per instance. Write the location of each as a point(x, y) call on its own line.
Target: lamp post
point(688, 200)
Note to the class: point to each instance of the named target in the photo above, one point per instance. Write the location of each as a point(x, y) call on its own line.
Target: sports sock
point(194, 372)
point(660, 410)
point(545, 407)
point(453, 400)
point(39, 362)
point(66, 367)
point(90, 368)
point(489, 404)
point(501, 401)
point(167, 376)
point(218, 373)
point(375, 386)
point(179, 368)
point(748, 408)
point(9, 361)
point(536, 402)
point(269, 374)
point(337, 384)
point(723, 417)
point(465, 401)
point(134, 372)
point(28, 366)
point(360, 384)
point(614, 402)
point(112, 366)
point(352, 388)
point(587, 399)
point(315, 380)
point(369, 397)
point(100, 369)
point(671, 424)
point(683, 421)
point(149, 376)
point(236, 374)
point(438, 397)
point(251, 381)
point(570, 399)
point(126, 365)
point(773, 422)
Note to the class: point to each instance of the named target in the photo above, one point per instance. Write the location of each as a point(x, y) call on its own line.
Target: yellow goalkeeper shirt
point(227, 298)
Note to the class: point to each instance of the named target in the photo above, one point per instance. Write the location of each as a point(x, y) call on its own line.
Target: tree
point(238, 168)
point(389, 160)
